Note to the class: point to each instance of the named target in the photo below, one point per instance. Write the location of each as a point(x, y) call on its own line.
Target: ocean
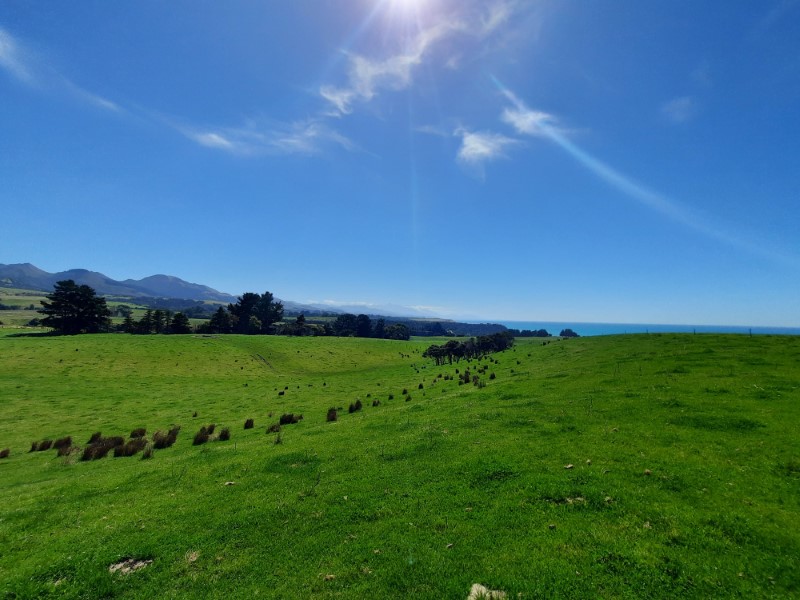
point(590, 329)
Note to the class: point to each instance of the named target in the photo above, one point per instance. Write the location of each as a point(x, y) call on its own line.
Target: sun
point(407, 6)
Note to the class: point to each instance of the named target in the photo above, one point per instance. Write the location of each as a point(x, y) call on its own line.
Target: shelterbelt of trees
point(469, 349)
point(237, 319)
point(72, 309)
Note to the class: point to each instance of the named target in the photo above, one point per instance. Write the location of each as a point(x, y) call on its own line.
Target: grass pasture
point(21, 300)
point(652, 466)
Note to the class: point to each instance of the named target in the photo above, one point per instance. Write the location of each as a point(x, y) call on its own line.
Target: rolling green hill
point(653, 466)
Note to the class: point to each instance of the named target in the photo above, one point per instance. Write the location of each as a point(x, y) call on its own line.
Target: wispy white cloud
point(680, 110)
point(367, 76)
point(631, 188)
point(496, 16)
point(13, 59)
point(25, 67)
point(341, 99)
point(301, 137)
point(527, 121)
point(211, 139)
point(478, 147)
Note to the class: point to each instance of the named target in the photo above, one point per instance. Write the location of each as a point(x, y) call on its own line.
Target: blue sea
point(589, 329)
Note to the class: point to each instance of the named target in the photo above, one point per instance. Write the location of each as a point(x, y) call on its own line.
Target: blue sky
point(616, 161)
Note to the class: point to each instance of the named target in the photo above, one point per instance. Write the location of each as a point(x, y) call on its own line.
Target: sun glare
point(406, 6)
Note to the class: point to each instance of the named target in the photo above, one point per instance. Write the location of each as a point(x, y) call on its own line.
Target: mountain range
point(30, 277)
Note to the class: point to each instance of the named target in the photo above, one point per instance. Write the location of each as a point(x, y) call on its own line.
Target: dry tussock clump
point(101, 447)
point(201, 437)
point(41, 446)
point(62, 443)
point(148, 452)
point(274, 428)
point(290, 419)
point(163, 440)
point(131, 448)
point(66, 450)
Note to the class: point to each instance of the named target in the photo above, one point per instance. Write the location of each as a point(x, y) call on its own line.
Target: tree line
point(72, 309)
point(469, 349)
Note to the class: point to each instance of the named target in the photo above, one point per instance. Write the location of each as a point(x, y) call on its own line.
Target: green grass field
point(655, 466)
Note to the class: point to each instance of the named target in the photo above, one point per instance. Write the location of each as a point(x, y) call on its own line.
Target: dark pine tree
point(180, 324)
point(72, 309)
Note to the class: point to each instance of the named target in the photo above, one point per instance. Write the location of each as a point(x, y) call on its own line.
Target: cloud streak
point(531, 122)
point(302, 137)
point(24, 67)
point(680, 110)
point(478, 147)
point(368, 76)
point(13, 60)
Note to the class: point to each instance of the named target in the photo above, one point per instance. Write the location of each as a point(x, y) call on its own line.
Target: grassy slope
point(376, 498)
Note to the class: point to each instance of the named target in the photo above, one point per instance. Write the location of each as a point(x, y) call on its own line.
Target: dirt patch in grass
point(129, 565)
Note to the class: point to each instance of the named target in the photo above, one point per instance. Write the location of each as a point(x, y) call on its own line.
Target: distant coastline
point(592, 329)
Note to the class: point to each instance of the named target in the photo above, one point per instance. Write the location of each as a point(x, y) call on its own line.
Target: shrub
point(408, 398)
point(280, 393)
point(34, 447)
point(290, 418)
point(163, 440)
point(210, 428)
point(95, 437)
point(492, 375)
point(5, 452)
point(420, 386)
point(274, 428)
point(138, 433)
point(148, 452)
point(359, 406)
point(391, 396)
point(249, 424)
point(224, 434)
point(376, 403)
point(160, 440)
point(404, 392)
point(332, 415)
point(278, 439)
point(45, 445)
point(201, 437)
point(101, 446)
point(64, 450)
point(64, 442)
point(130, 448)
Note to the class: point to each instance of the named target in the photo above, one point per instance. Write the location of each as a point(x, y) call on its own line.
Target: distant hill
point(167, 292)
point(28, 276)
